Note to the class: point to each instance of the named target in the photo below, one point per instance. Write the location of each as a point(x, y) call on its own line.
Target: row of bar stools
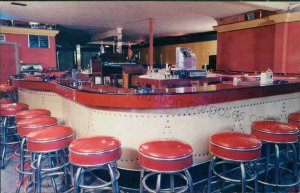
point(93, 153)
point(48, 147)
point(27, 121)
point(232, 148)
point(8, 126)
point(278, 134)
point(166, 157)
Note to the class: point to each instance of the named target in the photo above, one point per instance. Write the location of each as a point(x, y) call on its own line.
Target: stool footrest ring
point(251, 177)
point(177, 189)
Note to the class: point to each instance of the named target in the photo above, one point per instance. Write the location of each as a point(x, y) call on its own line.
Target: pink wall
point(246, 50)
point(293, 48)
point(276, 46)
point(44, 56)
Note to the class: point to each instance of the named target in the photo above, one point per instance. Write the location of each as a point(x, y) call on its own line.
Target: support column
point(119, 40)
point(78, 56)
point(150, 42)
point(280, 49)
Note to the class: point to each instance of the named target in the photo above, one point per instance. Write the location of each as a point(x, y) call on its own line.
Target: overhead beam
point(112, 42)
point(106, 34)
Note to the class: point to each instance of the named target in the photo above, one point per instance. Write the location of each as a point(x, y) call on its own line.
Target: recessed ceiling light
point(19, 4)
point(107, 46)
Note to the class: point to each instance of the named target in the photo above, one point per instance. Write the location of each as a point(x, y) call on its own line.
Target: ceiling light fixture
point(19, 4)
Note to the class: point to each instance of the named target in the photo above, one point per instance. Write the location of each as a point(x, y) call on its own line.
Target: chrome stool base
point(185, 176)
point(48, 165)
point(247, 173)
point(23, 159)
point(8, 135)
point(112, 184)
point(280, 168)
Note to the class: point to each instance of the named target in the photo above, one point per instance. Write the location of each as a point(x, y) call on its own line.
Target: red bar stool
point(25, 119)
point(32, 113)
point(94, 153)
point(8, 91)
point(277, 134)
point(294, 119)
point(5, 101)
point(166, 157)
point(234, 148)
point(8, 126)
point(50, 158)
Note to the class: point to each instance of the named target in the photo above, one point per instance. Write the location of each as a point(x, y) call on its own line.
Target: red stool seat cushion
point(7, 88)
point(32, 113)
point(235, 146)
point(5, 101)
point(274, 132)
point(165, 155)
point(94, 151)
point(294, 119)
point(50, 139)
point(12, 108)
point(27, 125)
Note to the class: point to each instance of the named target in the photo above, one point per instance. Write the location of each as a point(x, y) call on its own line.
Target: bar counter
point(190, 114)
point(113, 97)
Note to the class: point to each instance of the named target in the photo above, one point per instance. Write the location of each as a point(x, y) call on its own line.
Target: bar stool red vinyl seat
point(168, 157)
point(46, 144)
point(32, 113)
point(237, 148)
point(8, 91)
point(28, 125)
point(165, 156)
point(7, 88)
point(50, 139)
point(93, 153)
point(12, 108)
point(294, 119)
point(273, 134)
point(5, 101)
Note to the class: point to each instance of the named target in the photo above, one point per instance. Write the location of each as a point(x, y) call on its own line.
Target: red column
point(280, 47)
point(150, 42)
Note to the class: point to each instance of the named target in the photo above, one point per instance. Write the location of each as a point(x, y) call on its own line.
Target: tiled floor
point(9, 178)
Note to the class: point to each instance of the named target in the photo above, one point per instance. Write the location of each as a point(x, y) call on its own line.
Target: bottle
point(263, 78)
point(235, 81)
point(269, 75)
